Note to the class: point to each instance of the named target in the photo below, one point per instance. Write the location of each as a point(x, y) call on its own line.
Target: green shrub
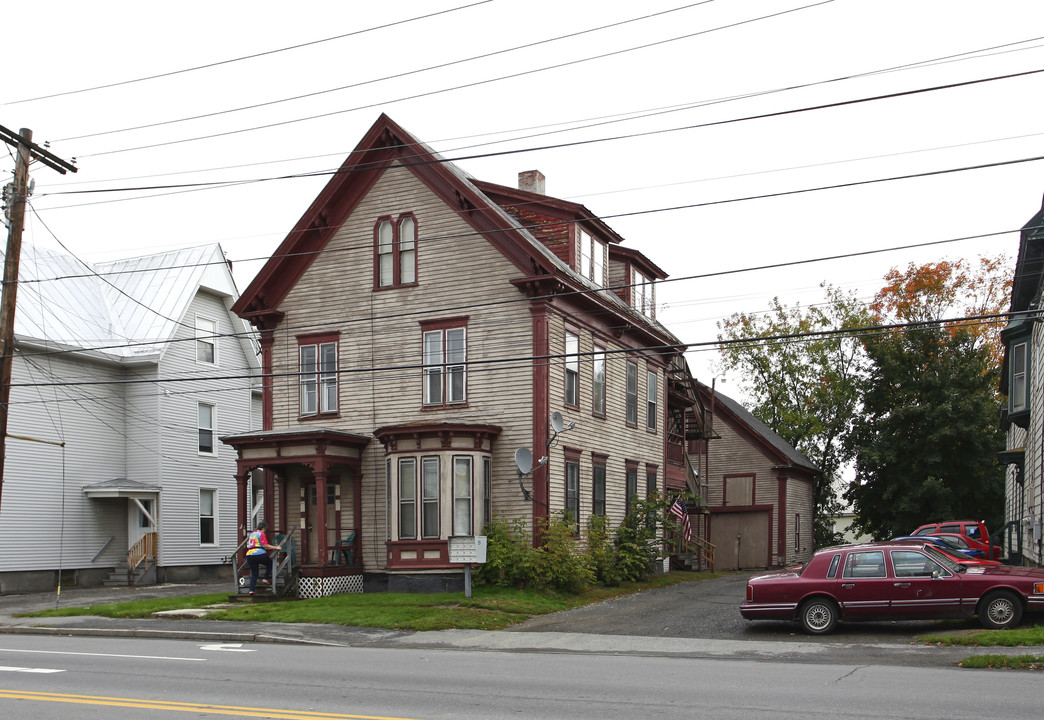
point(559, 563)
point(601, 553)
point(637, 540)
point(508, 548)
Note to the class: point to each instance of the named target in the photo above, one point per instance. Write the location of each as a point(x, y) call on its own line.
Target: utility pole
point(17, 195)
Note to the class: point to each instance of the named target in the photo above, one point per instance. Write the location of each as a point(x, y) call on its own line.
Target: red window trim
point(396, 253)
point(443, 324)
point(318, 339)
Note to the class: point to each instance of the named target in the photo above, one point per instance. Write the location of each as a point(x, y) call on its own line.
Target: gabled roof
point(123, 309)
point(1026, 285)
point(771, 442)
point(387, 146)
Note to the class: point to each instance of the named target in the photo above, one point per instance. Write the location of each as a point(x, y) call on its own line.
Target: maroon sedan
point(892, 581)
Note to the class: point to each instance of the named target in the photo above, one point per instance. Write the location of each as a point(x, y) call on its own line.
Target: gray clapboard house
point(125, 374)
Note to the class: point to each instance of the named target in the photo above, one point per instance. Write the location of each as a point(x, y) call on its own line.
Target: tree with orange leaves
point(950, 289)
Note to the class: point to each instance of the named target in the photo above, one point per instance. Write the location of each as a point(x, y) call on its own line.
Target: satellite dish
point(557, 422)
point(524, 460)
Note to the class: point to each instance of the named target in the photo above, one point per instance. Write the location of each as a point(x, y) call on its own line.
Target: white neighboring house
point(124, 376)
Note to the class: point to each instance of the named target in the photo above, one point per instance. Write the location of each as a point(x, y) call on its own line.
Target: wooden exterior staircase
point(141, 564)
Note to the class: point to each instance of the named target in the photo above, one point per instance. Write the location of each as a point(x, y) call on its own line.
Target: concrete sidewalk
point(215, 631)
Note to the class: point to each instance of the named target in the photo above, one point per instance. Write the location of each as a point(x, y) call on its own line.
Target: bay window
point(462, 496)
point(430, 497)
point(407, 498)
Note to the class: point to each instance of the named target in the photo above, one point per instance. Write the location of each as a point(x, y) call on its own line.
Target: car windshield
point(943, 559)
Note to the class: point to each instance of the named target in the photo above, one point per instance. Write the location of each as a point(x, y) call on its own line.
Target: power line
point(316, 326)
point(245, 57)
point(429, 93)
point(382, 79)
point(526, 359)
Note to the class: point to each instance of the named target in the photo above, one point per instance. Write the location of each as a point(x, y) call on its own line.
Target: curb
point(163, 634)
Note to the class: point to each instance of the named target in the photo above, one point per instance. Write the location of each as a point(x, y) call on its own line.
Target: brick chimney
point(531, 181)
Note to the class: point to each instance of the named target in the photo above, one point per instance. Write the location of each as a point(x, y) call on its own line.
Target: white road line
point(112, 655)
point(4, 668)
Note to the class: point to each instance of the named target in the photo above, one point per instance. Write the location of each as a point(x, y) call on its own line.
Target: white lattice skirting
point(308, 587)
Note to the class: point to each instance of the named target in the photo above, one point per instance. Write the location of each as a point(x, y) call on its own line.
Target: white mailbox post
point(467, 549)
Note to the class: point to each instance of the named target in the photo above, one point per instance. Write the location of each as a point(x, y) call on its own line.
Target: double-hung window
point(631, 485)
point(205, 426)
point(572, 370)
point(573, 491)
point(407, 499)
point(598, 489)
point(598, 382)
point(430, 497)
point(632, 393)
point(642, 294)
point(445, 361)
point(318, 375)
point(462, 496)
point(207, 517)
point(592, 258)
point(650, 399)
point(206, 341)
point(1017, 392)
point(396, 248)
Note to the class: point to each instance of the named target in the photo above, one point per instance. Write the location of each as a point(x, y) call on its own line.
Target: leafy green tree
point(926, 440)
point(807, 391)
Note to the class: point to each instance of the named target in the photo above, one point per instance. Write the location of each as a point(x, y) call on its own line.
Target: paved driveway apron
point(710, 609)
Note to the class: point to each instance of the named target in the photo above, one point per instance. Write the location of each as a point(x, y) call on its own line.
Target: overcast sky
point(647, 90)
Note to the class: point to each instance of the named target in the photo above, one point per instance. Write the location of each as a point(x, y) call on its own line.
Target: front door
point(312, 518)
point(141, 519)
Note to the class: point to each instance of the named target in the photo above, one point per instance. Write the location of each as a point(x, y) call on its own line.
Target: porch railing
point(142, 552)
point(282, 570)
point(697, 546)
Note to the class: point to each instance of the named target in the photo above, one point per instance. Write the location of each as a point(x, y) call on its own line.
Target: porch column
point(320, 516)
point(242, 508)
point(357, 514)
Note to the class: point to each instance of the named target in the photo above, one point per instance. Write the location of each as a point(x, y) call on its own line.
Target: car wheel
point(819, 616)
point(1000, 609)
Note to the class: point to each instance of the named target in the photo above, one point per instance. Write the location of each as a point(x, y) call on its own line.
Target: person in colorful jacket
point(257, 548)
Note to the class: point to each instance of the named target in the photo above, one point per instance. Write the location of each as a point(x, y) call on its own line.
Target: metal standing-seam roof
point(125, 308)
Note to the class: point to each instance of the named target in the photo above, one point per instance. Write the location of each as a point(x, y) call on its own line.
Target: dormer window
point(592, 258)
point(642, 294)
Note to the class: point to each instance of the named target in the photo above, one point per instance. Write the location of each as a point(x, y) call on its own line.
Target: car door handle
point(848, 586)
point(903, 584)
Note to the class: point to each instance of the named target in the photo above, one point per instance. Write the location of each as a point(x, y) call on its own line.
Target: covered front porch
point(306, 484)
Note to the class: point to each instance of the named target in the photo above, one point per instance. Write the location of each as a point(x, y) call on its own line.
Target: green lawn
point(489, 608)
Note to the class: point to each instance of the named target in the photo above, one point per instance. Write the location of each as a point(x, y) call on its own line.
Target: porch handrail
point(697, 546)
point(142, 551)
point(289, 552)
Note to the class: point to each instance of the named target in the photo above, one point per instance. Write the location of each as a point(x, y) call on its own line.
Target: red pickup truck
point(974, 531)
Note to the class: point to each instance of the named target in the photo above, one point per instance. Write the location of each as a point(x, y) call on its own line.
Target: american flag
point(679, 509)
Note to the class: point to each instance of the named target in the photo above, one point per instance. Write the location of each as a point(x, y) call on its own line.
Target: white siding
point(183, 469)
point(45, 520)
